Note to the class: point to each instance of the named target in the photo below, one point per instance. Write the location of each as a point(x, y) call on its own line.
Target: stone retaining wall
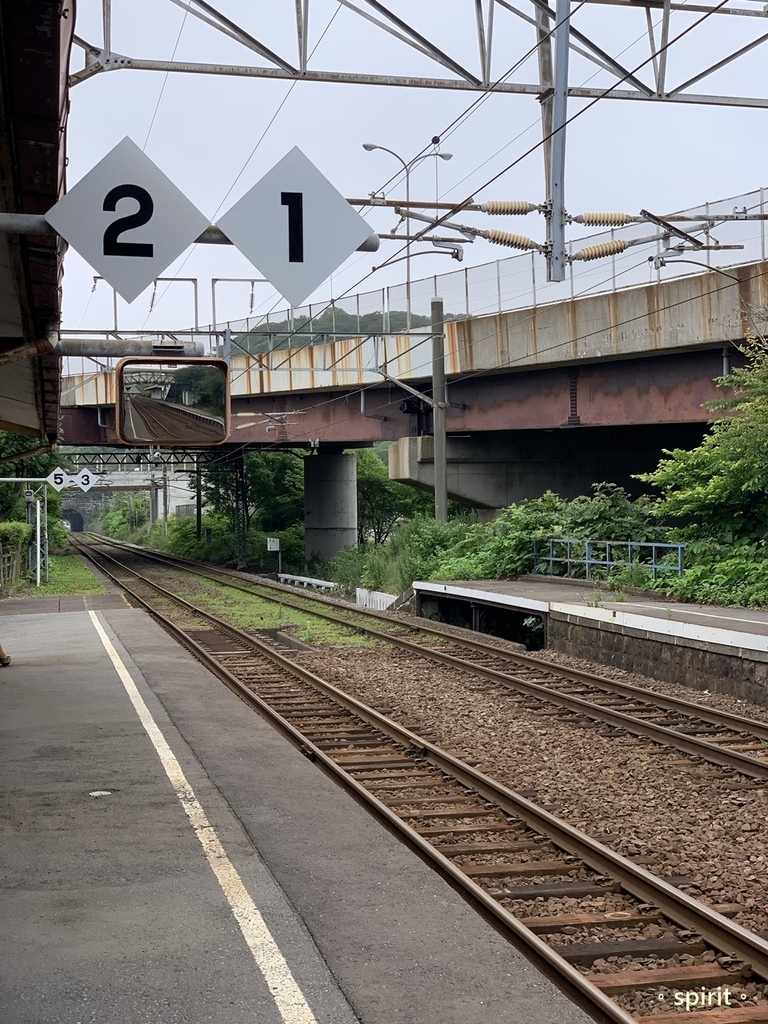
point(740, 673)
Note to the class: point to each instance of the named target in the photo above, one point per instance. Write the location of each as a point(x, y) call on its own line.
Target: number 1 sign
point(127, 219)
point(295, 227)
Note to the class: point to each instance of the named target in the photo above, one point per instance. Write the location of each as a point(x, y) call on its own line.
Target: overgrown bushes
point(734, 575)
point(464, 549)
point(16, 535)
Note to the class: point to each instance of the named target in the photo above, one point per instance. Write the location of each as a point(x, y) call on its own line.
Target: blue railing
point(560, 556)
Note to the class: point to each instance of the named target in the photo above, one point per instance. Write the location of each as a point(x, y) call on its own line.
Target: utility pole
point(198, 499)
point(556, 265)
point(165, 500)
point(438, 412)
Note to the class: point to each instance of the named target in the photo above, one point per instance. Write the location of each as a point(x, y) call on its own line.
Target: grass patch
point(249, 612)
point(68, 576)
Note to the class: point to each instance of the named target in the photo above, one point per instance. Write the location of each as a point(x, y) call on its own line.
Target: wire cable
point(457, 207)
point(165, 82)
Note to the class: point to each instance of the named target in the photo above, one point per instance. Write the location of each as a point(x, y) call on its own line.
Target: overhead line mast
point(553, 29)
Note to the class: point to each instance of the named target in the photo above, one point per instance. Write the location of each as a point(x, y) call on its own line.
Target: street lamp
point(407, 167)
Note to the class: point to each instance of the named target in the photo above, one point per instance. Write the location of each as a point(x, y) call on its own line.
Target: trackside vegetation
point(464, 549)
point(713, 499)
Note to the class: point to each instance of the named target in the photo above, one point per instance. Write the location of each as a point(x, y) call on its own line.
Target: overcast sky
point(215, 136)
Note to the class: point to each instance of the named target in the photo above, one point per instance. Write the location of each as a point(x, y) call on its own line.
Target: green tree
point(381, 502)
point(274, 488)
point(720, 489)
point(12, 502)
point(334, 320)
point(207, 384)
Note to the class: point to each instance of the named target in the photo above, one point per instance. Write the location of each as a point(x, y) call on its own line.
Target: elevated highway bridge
point(553, 396)
point(556, 396)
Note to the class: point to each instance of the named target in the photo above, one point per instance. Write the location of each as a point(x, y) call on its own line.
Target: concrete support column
point(330, 504)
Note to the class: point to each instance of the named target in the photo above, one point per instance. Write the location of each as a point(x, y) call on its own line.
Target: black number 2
point(295, 203)
point(112, 247)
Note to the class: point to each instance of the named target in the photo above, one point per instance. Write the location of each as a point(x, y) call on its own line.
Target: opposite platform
point(165, 852)
point(702, 646)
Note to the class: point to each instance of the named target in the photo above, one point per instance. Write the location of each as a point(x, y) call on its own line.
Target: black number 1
point(112, 247)
point(295, 203)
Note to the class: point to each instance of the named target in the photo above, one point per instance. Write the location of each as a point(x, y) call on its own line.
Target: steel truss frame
point(553, 35)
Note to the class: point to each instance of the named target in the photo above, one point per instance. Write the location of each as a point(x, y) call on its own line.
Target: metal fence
point(10, 567)
point(519, 281)
point(515, 282)
point(377, 600)
point(564, 556)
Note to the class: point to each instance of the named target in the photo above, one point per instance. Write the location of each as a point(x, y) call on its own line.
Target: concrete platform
point(164, 850)
point(703, 646)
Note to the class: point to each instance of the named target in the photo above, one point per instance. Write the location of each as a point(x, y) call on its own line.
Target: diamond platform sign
point(295, 227)
point(127, 219)
point(85, 479)
point(59, 479)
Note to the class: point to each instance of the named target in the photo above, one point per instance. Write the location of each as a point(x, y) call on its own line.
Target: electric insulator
point(595, 252)
point(602, 220)
point(508, 206)
point(507, 238)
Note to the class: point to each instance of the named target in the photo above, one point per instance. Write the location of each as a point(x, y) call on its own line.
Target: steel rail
point(726, 719)
point(739, 723)
point(576, 986)
point(752, 767)
point(718, 931)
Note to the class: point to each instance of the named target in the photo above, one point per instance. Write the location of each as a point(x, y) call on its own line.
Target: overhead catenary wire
point(532, 149)
point(458, 206)
point(255, 148)
point(474, 106)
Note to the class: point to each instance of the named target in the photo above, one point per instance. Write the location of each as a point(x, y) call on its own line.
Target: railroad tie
point(530, 869)
point(681, 976)
point(585, 953)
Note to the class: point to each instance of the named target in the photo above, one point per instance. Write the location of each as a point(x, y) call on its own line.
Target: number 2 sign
point(127, 219)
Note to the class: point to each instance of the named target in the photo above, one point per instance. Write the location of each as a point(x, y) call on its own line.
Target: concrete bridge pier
point(330, 504)
point(493, 470)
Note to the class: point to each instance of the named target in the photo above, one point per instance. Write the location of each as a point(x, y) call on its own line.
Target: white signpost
point(130, 222)
point(295, 227)
point(84, 479)
point(273, 544)
point(58, 479)
point(127, 219)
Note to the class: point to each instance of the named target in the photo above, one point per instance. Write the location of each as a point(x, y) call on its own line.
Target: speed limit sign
point(127, 219)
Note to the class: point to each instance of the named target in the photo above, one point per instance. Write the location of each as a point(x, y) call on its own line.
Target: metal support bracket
point(364, 412)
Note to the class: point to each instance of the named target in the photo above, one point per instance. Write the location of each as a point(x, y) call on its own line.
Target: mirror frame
point(172, 362)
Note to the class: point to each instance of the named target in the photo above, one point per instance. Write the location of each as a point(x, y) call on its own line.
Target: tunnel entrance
point(73, 517)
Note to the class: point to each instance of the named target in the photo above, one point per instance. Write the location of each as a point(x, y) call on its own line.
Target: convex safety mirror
point(172, 402)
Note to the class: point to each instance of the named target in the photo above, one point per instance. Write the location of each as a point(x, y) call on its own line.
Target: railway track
point(506, 854)
point(717, 737)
